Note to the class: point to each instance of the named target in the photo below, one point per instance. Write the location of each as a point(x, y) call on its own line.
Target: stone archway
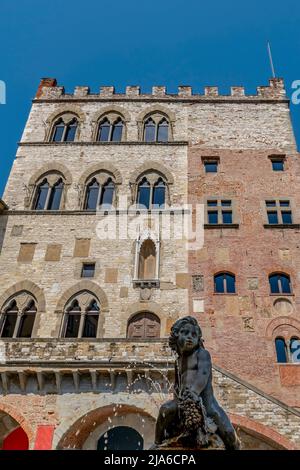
point(257, 436)
point(86, 431)
point(15, 433)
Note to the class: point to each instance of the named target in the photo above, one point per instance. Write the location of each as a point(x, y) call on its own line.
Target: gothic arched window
point(156, 129)
point(100, 193)
point(151, 192)
point(49, 193)
point(81, 317)
point(144, 325)
point(110, 129)
point(18, 317)
point(64, 129)
point(147, 261)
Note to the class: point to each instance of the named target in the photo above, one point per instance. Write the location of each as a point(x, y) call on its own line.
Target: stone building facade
point(91, 281)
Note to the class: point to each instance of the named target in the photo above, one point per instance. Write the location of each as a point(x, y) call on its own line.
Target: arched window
point(91, 320)
point(295, 349)
point(144, 325)
point(163, 131)
point(121, 438)
point(9, 320)
point(151, 192)
point(281, 350)
point(156, 129)
point(100, 193)
point(150, 131)
point(110, 130)
point(18, 317)
point(147, 261)
point(143, 196)
point(81, 317)
point(92, 193)
point(64, 129)
point(27, 320)
point(224, 283)
point(159, 194)
point(49, 196)
point(73, 320)
point(280, 284)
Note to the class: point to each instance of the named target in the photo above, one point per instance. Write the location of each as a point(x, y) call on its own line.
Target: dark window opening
point(88, 270)
point(281, 351)
point(211, 166)
point(280, 284)
point(224, 283)
point(277, 165)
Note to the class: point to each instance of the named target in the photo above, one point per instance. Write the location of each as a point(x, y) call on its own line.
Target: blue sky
point(132, 42)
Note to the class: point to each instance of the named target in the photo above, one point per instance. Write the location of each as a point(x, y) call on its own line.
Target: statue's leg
point(225, 428)
point(167, 421)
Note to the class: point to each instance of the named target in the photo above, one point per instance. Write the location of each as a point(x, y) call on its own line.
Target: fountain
point(193, 419)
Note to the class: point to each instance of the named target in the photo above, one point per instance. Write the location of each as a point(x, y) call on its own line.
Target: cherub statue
point(194, 411)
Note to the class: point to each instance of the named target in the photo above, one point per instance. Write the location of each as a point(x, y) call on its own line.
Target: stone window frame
point(210, 159)
point(66, 113)
point(84, 304)
point(97, 169)
point(112, 113)
point(58, 169)
point(156, 112)
point(22, 299)
point(219, 208)
point(112, 117)
point(152, 177)
point(278, 157)
point(151, 167)
point(147, 283)
point(102, 177)
point(52, 179)
point(79, 264)
point(279, 209)
point(280, 294)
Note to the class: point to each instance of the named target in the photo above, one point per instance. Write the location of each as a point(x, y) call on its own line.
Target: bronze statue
point(194, 414)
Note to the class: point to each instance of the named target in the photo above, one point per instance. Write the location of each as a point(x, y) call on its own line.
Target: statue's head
point(186, 335)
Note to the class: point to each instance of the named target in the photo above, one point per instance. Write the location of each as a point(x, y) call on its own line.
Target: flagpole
point(271, 59)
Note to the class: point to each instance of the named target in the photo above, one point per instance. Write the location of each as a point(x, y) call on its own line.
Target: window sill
point(282, 226)
point(135, 142)
point(282, 294)
point(225, 293)
point(221, 226)
point(151, 283)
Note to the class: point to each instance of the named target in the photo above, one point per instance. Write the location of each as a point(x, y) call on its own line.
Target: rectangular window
point(226, 203)
point(211, 166)
point(278, 165)
point(272, 217)
point(222, 212)
point(286, 217)
point(284, 203)
point(88, 270)
point(212, 217)
point(227, 217)
point(271, 203)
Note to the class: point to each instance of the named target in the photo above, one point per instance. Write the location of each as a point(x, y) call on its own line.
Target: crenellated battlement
point(49, 90)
